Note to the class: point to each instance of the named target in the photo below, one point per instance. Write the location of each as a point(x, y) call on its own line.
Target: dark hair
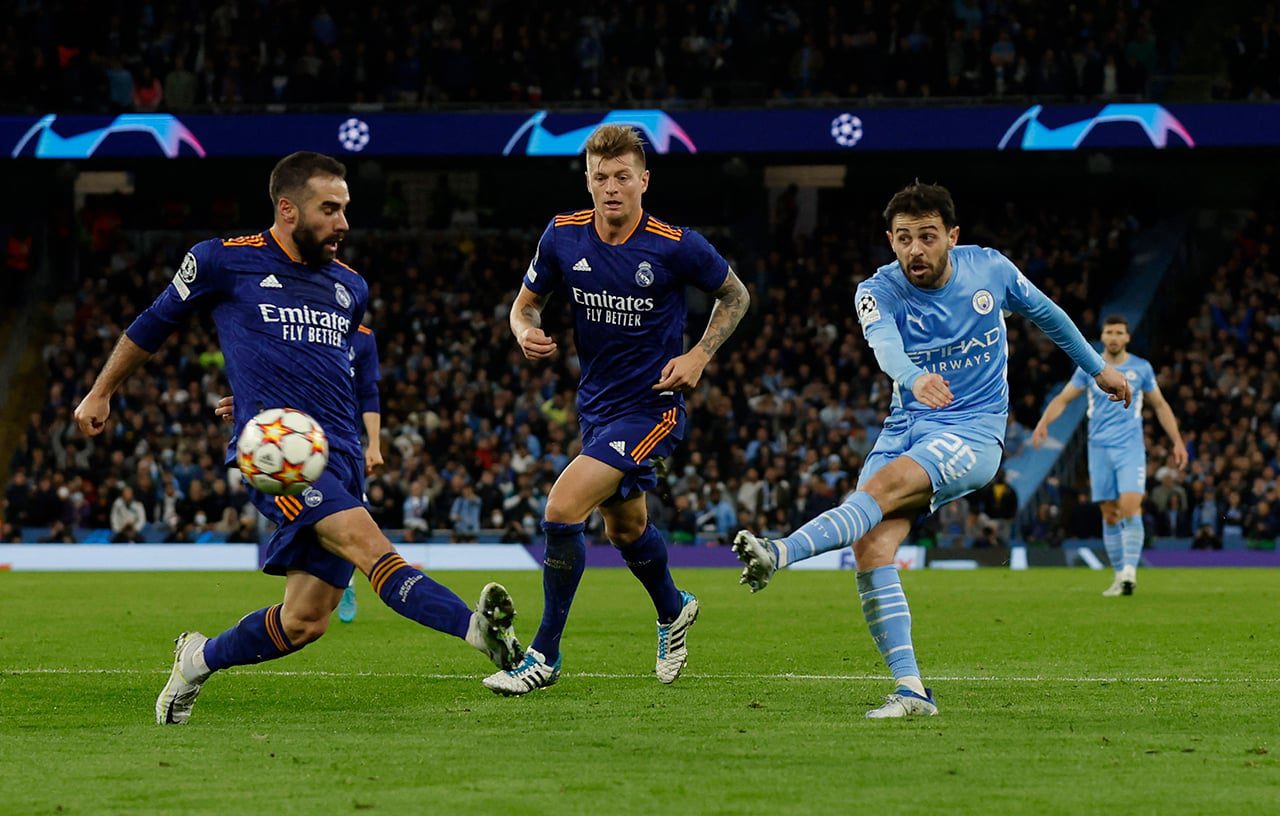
point(1113, 319)
point(920, 200)
point(293, 172)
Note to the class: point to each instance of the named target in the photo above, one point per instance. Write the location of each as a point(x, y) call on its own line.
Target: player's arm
point(1069, 393)
point(732, 301)
point(1164, 413)
point(1027, 300)
point(891, 355)
point(147, 332)
point(368, 373)
point(540, 280)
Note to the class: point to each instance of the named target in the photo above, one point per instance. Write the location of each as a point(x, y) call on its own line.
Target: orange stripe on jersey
point(283, 509)
point(344, 266)
point(657, 222)
point(573, 222)
point(663, 233)
point(363, 329)
point(283, 248)
point(664, 427)
point(661, 227)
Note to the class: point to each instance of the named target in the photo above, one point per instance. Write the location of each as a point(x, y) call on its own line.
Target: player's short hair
point(1115, 319)
point(612, 141)
point(293, 172)
point(917, 199)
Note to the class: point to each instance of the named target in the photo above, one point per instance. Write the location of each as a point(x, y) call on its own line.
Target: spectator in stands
point(416, 512)
point(1262, 525)
point(996, 506)
point(17, 497)
point(1206, 539)
point(464, 514)
point(128, 517)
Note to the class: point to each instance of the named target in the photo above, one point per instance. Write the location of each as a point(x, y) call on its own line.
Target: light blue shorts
point(1116, 469)
point(958, 458)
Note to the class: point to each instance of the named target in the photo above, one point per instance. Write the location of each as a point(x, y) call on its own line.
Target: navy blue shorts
point(294, 545)
point(631, 443)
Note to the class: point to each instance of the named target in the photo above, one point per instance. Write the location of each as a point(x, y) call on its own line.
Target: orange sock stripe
point(384, 571)
point(651, 441)
point(274, 629)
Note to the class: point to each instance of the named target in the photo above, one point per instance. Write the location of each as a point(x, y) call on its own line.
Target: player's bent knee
point(624, 534)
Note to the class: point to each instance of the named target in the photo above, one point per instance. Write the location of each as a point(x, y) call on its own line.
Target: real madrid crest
point(983, 302)
point(644, 273)
point(343, 296)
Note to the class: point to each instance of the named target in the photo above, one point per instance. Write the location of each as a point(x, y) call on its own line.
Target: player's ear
point(644, 182)
point(285, 210)
point(954, 235)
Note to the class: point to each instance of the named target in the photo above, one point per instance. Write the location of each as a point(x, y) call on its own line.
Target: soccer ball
point(282, 451)
point(846, 129)
point(353, 135)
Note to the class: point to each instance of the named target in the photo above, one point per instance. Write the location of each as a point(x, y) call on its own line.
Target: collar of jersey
point(595, 231)
point(955, 273)
point(271, 234)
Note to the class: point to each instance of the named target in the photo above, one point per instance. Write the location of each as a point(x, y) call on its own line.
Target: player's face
point(1115, 338)
point(921, 244)
point(616, 186)
point(320, 221)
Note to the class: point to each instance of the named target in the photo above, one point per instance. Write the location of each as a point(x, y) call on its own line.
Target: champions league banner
point(835, 131)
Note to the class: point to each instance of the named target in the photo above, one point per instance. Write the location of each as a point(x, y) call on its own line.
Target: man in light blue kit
point(1117, 454)
point(935, 320)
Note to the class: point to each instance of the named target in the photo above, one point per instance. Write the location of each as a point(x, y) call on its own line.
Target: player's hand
point(226, 408)
point(92, 412)
point(535, 344)
point(1115, 385)
point(1180, 456)
point(372, 459)
point(933, 391)
point(683, 373)
point(1040, 435)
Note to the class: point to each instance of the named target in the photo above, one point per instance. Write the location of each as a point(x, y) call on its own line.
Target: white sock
point(912, 683)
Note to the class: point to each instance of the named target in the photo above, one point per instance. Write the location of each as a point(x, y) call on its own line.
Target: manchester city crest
point(644, 273)
point(343, 296)
point(983, 302)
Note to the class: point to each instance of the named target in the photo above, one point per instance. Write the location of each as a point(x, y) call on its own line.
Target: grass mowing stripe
point(940, 678)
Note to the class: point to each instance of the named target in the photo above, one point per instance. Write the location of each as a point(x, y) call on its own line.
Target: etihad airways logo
point(955, 356)
point(616, 310)
point(305, 323)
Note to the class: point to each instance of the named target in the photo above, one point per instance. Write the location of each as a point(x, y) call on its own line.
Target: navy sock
point(565, 560)
point(257, 637)
point(646, 557)
point(411, 593)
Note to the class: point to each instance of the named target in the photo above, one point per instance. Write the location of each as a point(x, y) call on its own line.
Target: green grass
point(1054, 700)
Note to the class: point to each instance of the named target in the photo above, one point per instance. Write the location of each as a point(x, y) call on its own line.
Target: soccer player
point(286, 308)
point(935, 321)
point(366, 371)
point(1117, 452)
point(625, 273)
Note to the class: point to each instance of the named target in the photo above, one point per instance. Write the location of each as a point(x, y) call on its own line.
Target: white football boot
point(673, 653)
point(533, 673)
point(1128, 580)
point(173, 706)
point(1116, 588)
point(491, 629)
point(905, 703)
point(756, 554)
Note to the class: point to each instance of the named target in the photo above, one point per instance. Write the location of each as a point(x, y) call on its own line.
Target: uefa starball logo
point(846, 129)
point(353, 135)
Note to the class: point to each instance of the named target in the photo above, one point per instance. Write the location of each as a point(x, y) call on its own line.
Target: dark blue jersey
point(364, 368)
point(628, 305)
point(285, 328)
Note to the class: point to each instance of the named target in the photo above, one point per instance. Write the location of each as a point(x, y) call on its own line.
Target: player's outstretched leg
point(835, 529)
point(646, 557)
point(411, 593)
point(884, 605)
point(265, 634)
point(347, 606)
point(1111, 539)
point(562, 569)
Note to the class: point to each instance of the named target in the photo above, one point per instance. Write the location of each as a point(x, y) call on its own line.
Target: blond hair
point(612, 141)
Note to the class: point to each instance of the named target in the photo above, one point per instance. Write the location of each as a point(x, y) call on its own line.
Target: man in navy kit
point(625, 273)
point(285, 309)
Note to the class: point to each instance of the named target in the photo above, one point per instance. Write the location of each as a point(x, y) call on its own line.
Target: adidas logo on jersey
point(620, 447)
point(582, 266)
point(270, 282)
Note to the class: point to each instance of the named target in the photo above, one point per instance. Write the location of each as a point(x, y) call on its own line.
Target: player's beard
point(311, 247)
point(930, 278)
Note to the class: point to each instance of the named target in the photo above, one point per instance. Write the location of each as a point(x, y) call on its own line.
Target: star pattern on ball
point(275, 431)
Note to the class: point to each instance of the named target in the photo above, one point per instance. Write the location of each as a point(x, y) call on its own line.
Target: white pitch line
point(973, 678)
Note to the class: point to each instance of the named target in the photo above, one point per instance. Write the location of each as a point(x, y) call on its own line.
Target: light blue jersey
point(957, 331)
point(1110, 423)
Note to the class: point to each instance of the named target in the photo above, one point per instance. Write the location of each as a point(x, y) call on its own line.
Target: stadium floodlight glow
point(1157, 123)
point(658, 127)
point(168, 131)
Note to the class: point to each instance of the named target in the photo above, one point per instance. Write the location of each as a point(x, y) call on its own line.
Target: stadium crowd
point(140, 55)
point(474, 435)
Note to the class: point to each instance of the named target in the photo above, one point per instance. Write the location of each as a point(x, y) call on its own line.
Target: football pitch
point(1053, 700)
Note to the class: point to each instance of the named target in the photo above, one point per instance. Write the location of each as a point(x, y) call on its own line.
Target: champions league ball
point(282, 451)
point(353, 135)
point(846, 129)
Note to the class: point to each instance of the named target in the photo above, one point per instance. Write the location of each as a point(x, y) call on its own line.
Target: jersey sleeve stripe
point(663, 233)
point(663, 428)
point(363, 329)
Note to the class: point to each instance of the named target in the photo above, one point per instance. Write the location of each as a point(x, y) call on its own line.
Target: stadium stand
point(225, 54)
point(781, 425)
